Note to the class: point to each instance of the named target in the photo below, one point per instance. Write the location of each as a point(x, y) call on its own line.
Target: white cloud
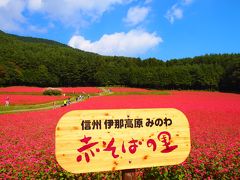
point(132, 43)
point(35, 5)
point(187, 2)
point(75, 13)
point(3, 3)
point(37, 29)
point(147, 1)
point(136, 15)
point(78, 12)
point(174, 13)
point(11, 16)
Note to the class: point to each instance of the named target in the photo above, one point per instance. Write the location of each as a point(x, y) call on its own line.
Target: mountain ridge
point(42, 62)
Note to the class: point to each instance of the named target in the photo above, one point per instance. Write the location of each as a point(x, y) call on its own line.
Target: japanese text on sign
point(124, 123)
point(164, 137)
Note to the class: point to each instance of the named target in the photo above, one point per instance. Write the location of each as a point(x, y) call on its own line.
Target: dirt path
point(39, 108)
point(105, 91)
point(47, 107)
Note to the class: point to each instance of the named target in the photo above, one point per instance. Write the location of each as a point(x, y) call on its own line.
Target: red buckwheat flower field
point(20, 89)
point(28, 99)
point(27, 144)
point(81, 90)
point(25, 89)
point(126, 89)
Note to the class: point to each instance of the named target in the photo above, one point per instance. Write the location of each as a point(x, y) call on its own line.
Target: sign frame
point(165, 141)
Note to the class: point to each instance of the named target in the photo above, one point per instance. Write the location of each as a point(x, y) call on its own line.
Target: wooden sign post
point(120, 139)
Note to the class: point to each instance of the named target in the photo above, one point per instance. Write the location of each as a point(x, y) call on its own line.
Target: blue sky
point(164, 29)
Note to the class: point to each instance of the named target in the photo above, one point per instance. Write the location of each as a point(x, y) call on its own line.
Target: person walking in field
point(68, 101)
point(7, 101)
point(80, 98)
point(65, 102)
point(54, 105)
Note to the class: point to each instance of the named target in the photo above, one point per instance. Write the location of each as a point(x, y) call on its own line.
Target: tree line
point(40, 62)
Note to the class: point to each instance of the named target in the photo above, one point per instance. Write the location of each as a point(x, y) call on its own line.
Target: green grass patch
point(59, 103)
point(22, 108)
point(139, 93)
point(33, 107)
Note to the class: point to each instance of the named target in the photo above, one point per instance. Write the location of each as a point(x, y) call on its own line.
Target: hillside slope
point(41, 62)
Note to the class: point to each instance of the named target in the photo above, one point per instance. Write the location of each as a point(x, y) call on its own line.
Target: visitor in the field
point(7, 101)
point(68, 101)
point(65, 102)
point(81, 98)
point(54, 104)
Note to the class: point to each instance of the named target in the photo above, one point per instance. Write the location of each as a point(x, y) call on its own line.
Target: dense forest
point(39, 62)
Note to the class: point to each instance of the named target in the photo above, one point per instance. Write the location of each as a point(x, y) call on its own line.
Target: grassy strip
point(22, 108)
point(105, 91)
point(18, 108)
point(139, 93)
point(59, 103)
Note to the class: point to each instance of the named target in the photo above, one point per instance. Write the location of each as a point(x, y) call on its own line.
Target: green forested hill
point(40, 62)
